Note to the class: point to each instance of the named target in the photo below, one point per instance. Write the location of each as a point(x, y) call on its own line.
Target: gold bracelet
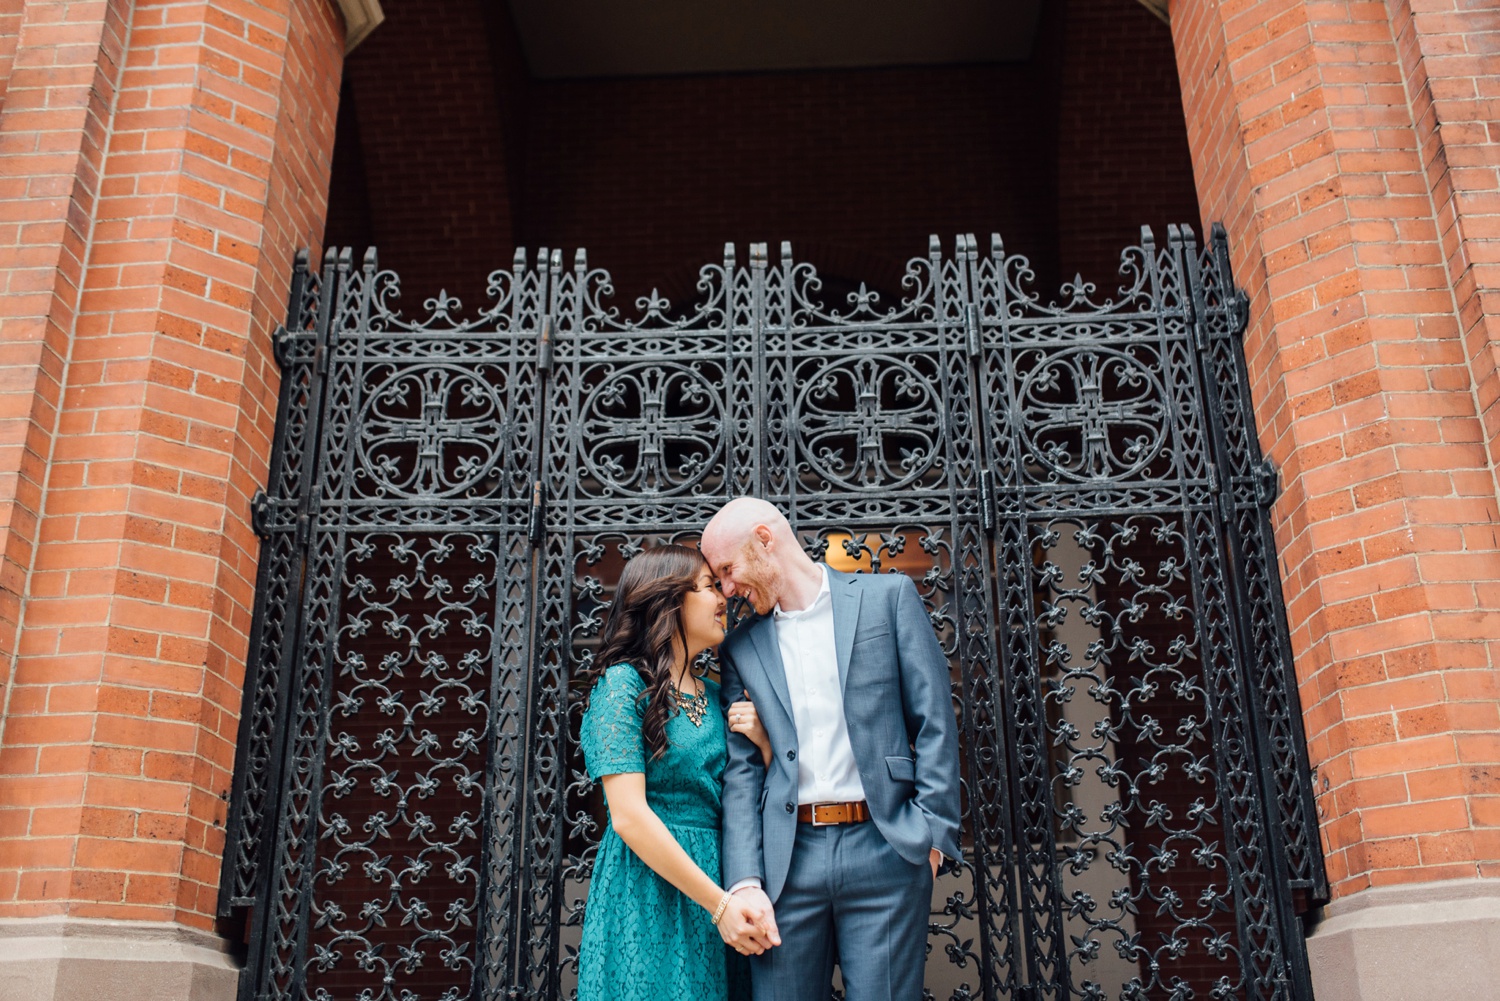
point(723, 906)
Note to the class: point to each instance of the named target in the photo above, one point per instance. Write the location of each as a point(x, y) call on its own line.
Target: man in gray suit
point(839, 838)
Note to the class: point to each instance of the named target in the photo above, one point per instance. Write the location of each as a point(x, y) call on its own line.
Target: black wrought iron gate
point(1075, 486)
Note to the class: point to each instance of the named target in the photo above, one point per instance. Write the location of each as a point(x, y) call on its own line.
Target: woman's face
point(703, 614)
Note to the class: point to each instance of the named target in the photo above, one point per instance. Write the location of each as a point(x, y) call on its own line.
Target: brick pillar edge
point(164, 162)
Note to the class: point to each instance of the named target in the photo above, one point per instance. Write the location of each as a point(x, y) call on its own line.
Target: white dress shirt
point(826, 772)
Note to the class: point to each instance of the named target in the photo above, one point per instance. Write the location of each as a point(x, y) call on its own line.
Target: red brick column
point(1450, 63)
point(59, 84)
point(172, 157)
point(1331, 139)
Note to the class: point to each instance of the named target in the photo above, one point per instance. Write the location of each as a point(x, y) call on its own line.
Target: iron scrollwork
point(1074, 485)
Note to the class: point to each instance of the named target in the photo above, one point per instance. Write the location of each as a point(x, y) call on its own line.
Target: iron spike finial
point(997, 246)
point(519, 260)
point(786, 251)
point(371, 259)
point(758, 255)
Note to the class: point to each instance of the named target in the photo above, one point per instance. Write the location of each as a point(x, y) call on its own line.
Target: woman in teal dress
point(657, 919)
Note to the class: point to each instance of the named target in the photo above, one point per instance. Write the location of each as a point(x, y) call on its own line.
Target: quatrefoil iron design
point(434, 431)
point(1091, 415)
point(655, 428)
point(869, 422)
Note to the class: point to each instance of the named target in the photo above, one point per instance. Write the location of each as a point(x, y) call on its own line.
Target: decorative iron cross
point(1090, 416)
point(871, 423)
point(611, 437)
point(436, 433)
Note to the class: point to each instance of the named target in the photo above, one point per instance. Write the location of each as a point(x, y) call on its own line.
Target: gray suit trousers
point(848, 897)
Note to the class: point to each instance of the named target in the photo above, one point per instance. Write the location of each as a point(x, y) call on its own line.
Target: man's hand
point(936, 858)
point(749, 922)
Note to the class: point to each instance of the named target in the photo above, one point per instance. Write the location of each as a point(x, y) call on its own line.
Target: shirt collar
point(824, 594)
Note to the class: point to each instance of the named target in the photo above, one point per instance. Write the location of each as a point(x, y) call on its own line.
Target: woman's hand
point(747, 926)
point(743, 719)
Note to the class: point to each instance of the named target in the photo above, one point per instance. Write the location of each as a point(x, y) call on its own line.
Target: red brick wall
point(1308, 140)
point(206, 143)
point(10, 32)
point(1450, 62)
point(1123, 159)
point(59, 96)
point(434, 152)
point(653, 176)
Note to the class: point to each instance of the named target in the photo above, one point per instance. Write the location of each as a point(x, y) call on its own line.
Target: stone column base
point(1410, 943)
point(79, 959)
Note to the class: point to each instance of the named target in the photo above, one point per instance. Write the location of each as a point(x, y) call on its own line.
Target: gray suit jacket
point(901, 726)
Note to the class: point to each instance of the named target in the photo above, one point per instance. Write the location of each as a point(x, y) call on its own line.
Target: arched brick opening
point(169, 160)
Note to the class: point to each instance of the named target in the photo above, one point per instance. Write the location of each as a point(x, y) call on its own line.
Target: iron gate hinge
point(538, 505)
point(259, 512)
point(544, 347)
point(971, 329)
point(281, 345)
point(1239, 313)
point(1267, 483)
point(987, 501)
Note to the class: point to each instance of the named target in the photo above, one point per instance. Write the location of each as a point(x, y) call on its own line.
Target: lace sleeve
point(610, 735)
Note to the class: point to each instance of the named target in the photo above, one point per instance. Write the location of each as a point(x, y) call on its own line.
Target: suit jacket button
point(791, 755)
point(791, 808)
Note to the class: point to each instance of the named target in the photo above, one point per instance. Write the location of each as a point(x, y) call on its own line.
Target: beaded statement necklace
point(695, 705)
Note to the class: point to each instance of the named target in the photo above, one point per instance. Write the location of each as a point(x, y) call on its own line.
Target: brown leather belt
point(823, 814)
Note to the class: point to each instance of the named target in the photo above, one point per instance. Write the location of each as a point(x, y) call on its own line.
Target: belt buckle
point(821, 823)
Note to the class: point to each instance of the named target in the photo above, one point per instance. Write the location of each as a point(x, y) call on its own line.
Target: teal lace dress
point(643, 940)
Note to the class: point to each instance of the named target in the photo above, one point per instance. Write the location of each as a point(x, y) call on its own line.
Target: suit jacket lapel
point(763, 634)
point(845, 594)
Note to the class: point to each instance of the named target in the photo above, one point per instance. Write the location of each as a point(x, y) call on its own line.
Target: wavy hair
point(644, 619)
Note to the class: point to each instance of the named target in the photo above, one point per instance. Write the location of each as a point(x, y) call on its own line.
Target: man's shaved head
point(752, 549)
point(736, 521)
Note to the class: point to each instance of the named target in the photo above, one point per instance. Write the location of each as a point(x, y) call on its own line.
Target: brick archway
point(163, 170)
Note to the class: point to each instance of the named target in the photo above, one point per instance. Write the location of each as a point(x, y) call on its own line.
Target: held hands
point(749, 923)
point(934, 857)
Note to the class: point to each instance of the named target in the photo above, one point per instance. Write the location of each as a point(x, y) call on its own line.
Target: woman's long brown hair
point(644, 619)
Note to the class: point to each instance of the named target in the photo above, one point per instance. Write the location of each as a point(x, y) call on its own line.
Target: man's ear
point(763, 535)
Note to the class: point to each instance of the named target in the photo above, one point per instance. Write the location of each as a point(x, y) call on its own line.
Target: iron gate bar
point(983, 717)
point(278, 583)
point(1250, 489)
point(966, 429)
